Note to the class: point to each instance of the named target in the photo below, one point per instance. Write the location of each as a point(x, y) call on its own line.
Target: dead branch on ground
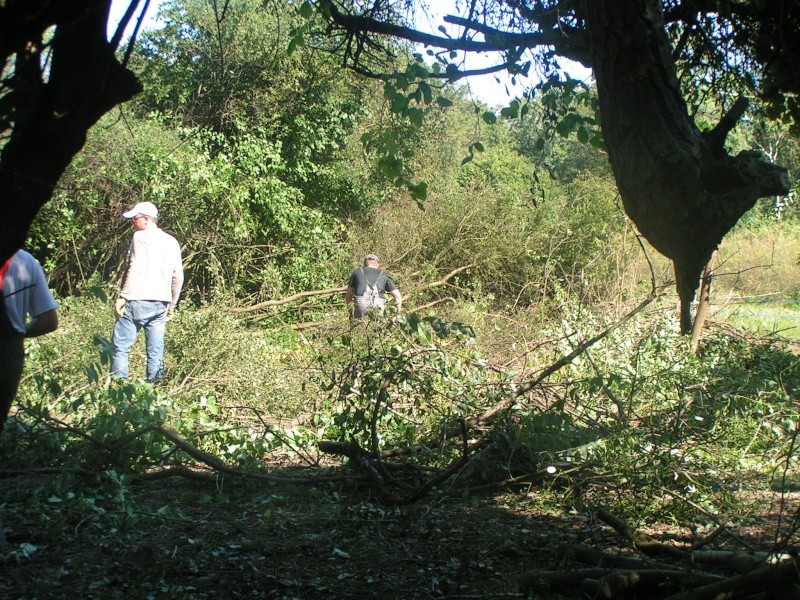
point(615, 575)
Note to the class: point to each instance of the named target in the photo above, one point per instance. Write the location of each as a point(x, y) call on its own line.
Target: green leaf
point(489, 117)
point(444, 102)
point(419, 191)
point(415, 115)
point(466, 159)
point(427, 94)
point(583, 135)
point(399, 103)
point(597, 141)
point(452, 71)
point(567, 125)
point(478, 146)
point(511, 111)
point(306, 10)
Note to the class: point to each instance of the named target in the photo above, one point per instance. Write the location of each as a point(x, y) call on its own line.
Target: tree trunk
point(55, 102)
point(704, 304)
point(680, 187)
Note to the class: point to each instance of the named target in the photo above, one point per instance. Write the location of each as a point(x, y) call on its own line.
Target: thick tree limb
point(364, 462)
point(356, 23)
point(443, 280)
point(741, 562)
point(704, 303)
point(370, 463)
point(220, 467)
point(717, 136)
point(427, 305)
point(54, 102)
point(680, 187)
point(770, 577)
point(598, 558)
point(604, 583)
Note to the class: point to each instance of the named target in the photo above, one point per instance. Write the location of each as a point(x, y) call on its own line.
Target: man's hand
point(170, 312)
point(119, 307)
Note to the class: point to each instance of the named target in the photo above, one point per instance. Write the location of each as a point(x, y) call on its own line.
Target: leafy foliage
point(403, 383)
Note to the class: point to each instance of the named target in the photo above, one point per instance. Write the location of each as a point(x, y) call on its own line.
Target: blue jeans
point(151, 316)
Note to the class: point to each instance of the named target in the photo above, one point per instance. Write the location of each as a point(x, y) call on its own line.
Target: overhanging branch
point(716, 137)
point(359, 24)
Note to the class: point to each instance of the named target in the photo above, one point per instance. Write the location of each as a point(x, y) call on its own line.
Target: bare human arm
point(46, 322)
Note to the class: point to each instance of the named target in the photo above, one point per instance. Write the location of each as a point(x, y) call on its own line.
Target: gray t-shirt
point(25, 290)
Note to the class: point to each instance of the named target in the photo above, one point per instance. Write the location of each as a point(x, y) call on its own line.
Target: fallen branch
point(365, 461)
point(179, 471)
point(605, 583)
point(220, 467)
point(646, 582)
point(288, 299)
point(443, 280)
point(337, 290)
point(640, 541)
point(598, 558)
point(559, 364)
point(361, 458)
point(741, 562)
point(771, 577)
point(434, 303)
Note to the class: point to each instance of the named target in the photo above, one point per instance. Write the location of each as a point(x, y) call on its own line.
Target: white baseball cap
point(142, 208)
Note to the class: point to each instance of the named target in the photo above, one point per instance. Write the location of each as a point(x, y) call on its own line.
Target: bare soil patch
point(185, 539)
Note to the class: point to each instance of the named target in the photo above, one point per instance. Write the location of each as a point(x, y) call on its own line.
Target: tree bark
point(55, 103)
point(704, 304)
point(680, 187)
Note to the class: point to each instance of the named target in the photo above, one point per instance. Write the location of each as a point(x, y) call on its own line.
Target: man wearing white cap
point(150, 291)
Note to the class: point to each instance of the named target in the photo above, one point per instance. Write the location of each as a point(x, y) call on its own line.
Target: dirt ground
point(195, 540)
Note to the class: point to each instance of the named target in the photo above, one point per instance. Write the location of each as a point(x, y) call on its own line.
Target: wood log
point(648, 581)
point(606, 582)
point(783, 576)
point(740, 562)
point(598, 558)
